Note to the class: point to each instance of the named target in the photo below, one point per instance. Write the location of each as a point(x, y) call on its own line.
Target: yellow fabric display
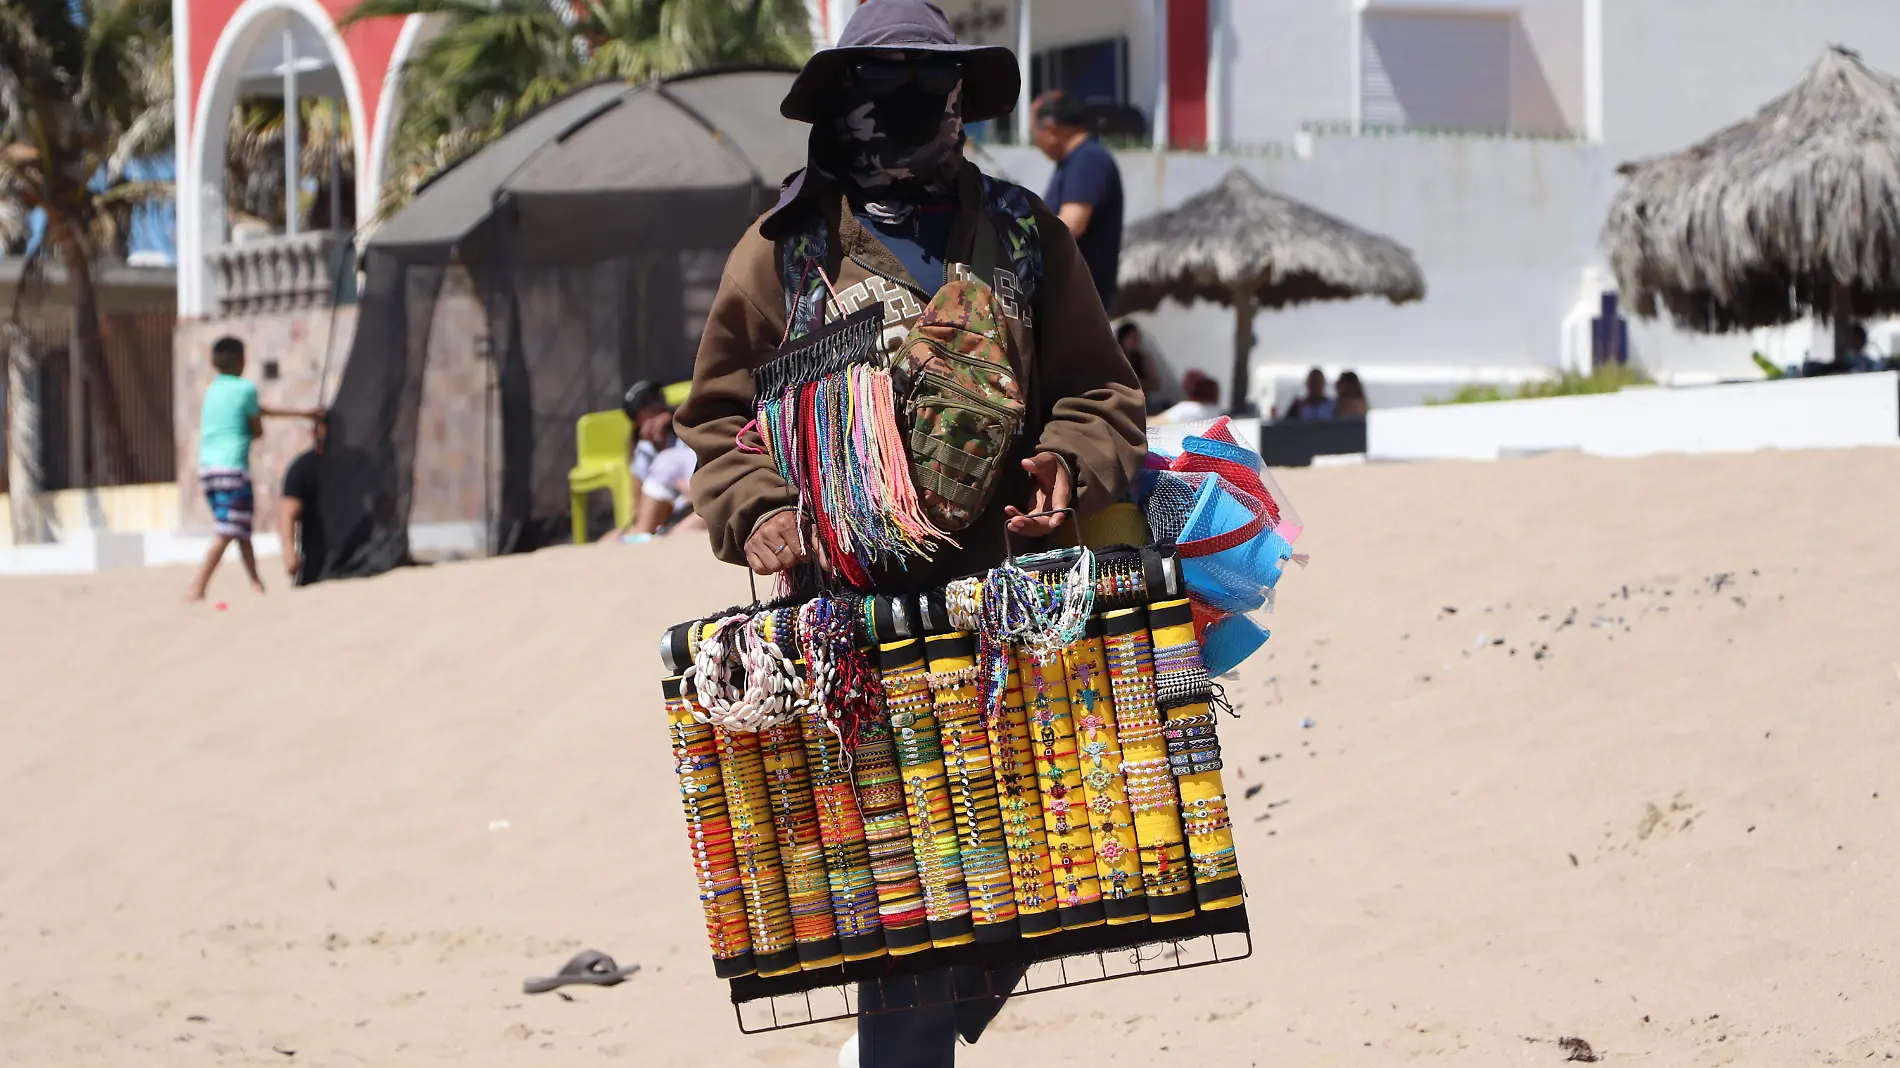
point(1071, 846)
point(1184, 691)
point(795, 825)
point(972, 783)
point(768, 910)
point(900, 895)
point(1152, 795)
point(847, 854)
point(709, 831)
point(1117, 857)
point(1025, 833)
point(933, 829)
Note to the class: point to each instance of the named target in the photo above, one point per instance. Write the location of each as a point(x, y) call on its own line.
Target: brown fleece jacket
point(1085, 400)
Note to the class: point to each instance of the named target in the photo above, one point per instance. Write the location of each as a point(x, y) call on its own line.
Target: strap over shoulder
point(802, 258)
point(1013, 214)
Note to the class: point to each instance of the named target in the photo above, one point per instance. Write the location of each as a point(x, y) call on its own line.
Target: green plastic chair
point(601, 440)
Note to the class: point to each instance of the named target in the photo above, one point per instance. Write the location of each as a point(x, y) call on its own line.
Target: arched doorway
point(279, 55)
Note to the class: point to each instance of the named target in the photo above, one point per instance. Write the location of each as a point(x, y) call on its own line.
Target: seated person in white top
point(662, 469)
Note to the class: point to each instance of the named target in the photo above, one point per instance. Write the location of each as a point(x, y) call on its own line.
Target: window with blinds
point(1435, 70)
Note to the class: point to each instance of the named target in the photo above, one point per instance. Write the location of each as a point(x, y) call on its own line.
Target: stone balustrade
point(279, 273)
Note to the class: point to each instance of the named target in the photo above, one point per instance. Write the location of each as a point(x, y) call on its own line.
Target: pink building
point(226, 50)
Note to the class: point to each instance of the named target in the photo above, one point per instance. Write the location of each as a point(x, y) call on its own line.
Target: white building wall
point(1509, 66)
point(1677, 71)
point(1291, 65)
point(1500, 227)
point(1547, 66)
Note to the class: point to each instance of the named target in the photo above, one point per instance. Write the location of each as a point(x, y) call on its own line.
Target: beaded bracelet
point(1196, 826)
point(1174, 689)
point(1186, 768)
point(1120, 582)
point(951, 680)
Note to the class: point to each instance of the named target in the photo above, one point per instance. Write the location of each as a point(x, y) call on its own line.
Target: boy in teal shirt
point(230, 420)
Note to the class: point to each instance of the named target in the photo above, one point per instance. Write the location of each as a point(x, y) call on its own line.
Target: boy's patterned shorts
point(228, 492)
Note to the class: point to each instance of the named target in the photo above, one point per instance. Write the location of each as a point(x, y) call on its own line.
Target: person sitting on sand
point(229, 421)
point(662, 468)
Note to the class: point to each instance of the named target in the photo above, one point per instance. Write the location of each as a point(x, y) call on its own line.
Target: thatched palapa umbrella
point(1242, 245)
point(1794, 211)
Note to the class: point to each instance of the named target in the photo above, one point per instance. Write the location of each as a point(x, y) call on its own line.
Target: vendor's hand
point(774, 546)
point(292, 563)
point(1051, 493)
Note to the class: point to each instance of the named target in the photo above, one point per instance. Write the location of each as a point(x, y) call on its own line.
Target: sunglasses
point(882, 77)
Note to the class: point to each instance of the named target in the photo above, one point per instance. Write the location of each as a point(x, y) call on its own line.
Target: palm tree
point(254, 162)
point(494, 61)
point(84, 89)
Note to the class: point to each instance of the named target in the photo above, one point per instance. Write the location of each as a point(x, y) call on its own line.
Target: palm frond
point(493, 62)
point(383, 9)
point(133, 194)
point(13, 224)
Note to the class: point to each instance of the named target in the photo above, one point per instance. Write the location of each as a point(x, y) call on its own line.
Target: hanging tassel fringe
point(828, 414)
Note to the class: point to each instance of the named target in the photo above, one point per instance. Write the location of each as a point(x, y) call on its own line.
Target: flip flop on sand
point(590, 967)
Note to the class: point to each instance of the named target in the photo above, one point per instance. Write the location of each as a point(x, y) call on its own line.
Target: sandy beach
point(1598, 750)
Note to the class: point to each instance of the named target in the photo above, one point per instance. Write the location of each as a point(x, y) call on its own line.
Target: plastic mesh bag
point(1212, 497)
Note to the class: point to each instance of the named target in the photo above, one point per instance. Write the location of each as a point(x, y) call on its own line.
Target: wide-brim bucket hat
point(991, 79)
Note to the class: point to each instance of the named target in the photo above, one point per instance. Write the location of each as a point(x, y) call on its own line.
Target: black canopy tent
point(594, 233)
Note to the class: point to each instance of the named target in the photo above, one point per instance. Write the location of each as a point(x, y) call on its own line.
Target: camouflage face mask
point(890, 150)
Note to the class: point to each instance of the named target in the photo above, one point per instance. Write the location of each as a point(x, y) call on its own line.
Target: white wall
point(1292, 64)
point(1841, 411)
point(1499, 226)
point(1677, 71)
point(1547, 58)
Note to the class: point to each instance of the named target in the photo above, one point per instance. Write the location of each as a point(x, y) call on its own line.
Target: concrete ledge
point(85, 552)
point(447, 541)
point(1837, 412)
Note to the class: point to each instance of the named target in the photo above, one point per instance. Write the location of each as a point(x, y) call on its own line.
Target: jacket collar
point(811, 189)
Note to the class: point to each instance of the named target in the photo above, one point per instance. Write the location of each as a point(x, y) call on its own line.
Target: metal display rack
point(1070, 959)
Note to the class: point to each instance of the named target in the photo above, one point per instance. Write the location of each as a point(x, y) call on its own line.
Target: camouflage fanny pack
point(961, 399)
point(962, 403)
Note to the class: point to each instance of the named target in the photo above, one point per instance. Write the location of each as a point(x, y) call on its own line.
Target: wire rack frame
point(903, 992)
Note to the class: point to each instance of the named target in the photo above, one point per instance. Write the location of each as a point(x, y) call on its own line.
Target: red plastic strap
point(1240, 535)
point(1235, 474)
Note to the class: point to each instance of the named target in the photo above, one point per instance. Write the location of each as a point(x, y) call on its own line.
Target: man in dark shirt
point(1086, 190)
point(300, 526)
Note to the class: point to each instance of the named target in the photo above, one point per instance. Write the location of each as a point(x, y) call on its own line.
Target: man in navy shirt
point(1086, 190)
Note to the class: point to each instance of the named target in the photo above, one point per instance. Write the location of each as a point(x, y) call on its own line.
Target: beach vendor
point(1025, 405)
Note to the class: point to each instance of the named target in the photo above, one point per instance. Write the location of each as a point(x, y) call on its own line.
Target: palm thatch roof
point(1794, 211)
point(1240, 238)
